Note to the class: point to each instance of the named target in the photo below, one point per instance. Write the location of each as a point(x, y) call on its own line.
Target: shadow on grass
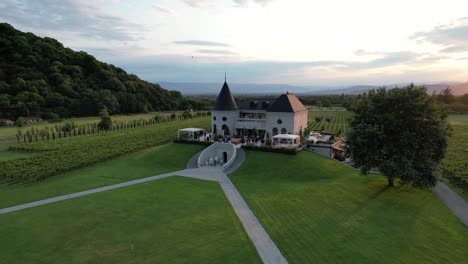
point(363, 204)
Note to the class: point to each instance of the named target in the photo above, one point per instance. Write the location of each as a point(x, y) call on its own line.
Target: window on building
point(225, 130)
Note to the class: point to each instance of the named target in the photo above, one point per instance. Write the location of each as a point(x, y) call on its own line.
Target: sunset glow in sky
point(302, 42)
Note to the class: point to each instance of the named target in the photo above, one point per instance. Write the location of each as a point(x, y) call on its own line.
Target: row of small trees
point(70, 129)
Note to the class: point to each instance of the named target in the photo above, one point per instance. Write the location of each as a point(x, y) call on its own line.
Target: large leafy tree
point(464, 99)
point(402, 132)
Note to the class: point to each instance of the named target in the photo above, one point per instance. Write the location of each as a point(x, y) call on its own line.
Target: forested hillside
point(40, 77)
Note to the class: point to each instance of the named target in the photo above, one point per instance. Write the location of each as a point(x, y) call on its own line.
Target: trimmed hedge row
point(72, 153)
point(269, 149)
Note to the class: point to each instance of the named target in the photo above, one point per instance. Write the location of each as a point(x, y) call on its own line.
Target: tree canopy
point(40, 77)
point(401, 132)
point(446, 96)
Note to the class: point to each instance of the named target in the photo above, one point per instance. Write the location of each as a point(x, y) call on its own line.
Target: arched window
point(284, 131)
point(275, 131)
point(225, 130)
point(214, 130)
point(214, 118)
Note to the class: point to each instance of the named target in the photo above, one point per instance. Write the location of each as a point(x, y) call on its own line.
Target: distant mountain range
point(188, 88)
point(457, 88)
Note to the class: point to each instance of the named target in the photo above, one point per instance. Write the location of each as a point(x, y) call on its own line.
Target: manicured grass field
point(320, 211)
point(173, 220)
point(458, 120)
point(154, 161)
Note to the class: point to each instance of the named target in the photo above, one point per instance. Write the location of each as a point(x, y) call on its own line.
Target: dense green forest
point(40, 77)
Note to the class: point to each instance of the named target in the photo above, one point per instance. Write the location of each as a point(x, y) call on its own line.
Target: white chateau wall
point(300, 121)
point(231, 117)
point(287, 122)
point(292, 122)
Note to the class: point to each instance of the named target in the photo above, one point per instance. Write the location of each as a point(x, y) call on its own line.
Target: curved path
point(266, 248)
point(453, 201)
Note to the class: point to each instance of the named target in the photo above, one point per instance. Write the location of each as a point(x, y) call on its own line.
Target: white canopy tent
point(286, 140)
point(193, 132)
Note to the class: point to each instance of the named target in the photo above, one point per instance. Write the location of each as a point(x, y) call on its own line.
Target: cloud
point(216, 52)
point(452, 37)
point(263, 2)
point(201, 43)
point(195, 3)
point(383, 59)
point(241, 3)
point(206, 67)
point(431, 58)
point(386, 59)
point(71, 17)
point(163, 9)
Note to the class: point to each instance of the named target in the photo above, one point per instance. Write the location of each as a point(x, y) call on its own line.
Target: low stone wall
point(217, 150)
point(321, 149)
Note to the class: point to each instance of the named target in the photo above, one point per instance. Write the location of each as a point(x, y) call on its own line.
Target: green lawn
point(173, 220)
point(320, 211)
point(154, 161)
point(458, 120)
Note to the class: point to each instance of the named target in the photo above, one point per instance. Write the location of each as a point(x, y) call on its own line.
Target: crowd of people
point(228, 139)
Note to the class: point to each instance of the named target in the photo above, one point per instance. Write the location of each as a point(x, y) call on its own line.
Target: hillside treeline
point(454, 104)
point(40, 77)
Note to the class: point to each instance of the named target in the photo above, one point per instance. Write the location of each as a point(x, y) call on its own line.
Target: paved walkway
point(266, 248)
point(83, 193)
point(453, 201)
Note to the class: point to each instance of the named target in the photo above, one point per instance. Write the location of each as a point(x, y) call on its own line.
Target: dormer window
point(253, 104)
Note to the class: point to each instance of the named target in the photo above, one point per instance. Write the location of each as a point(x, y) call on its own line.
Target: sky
point(309, 42)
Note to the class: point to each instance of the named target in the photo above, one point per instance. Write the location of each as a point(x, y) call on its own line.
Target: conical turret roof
point(225, 100)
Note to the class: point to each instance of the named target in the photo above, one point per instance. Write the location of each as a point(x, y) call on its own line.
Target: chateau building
point(285, 115)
